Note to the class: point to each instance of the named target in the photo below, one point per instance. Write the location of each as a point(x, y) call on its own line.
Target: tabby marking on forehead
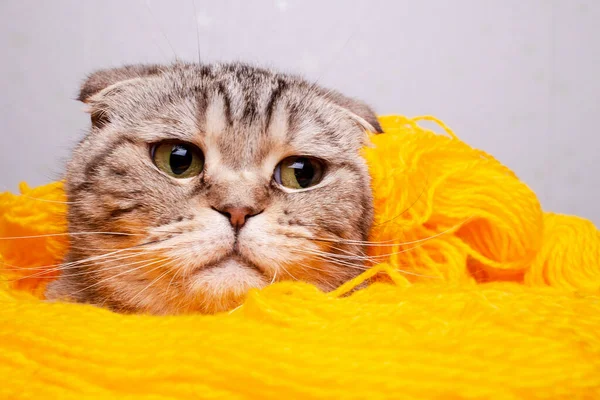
point(278, 123)
point(215, 118)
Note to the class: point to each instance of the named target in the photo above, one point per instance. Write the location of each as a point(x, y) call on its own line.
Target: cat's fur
point(176, 253)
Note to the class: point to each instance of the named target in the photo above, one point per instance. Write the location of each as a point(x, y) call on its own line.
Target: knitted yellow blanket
point(478, 295)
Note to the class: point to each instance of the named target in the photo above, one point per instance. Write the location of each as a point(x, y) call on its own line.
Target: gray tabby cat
point(210, 180)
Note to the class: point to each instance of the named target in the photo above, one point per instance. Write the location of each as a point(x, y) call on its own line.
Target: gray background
point(518, 78)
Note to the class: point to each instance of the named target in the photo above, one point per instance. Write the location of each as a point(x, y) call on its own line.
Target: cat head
point(197, 183)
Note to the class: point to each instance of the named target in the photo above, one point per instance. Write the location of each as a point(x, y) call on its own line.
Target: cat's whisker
point(59, 267)
point(177, 272)
point(48, 273)
point(49, 201)
point(348, 255)
point(138, 247)
point(101, 249)
point(362, 267)
point(159, 277)
point(382, 243)
point(331, 257)
point(98, 260)
point(101, 281)
point(329, 272)
point(364, 258)
point(68, 234)
point(5, 189)
point(288, 272)
point(235, 309)
point(325, 282)
point(117, 266)
point(274, 277)
point(425, 186)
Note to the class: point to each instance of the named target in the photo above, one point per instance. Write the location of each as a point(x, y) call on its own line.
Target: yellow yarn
point(489, 298)
point(485, 222)
point(40, 213)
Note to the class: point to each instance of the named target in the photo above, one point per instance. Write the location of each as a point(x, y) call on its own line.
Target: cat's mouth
point(233, 258)
point(227, 280)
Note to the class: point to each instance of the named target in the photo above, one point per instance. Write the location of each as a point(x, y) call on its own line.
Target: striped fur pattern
point(165, 250)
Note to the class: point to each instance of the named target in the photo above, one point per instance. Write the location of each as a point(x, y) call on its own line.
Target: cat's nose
point(237, 215)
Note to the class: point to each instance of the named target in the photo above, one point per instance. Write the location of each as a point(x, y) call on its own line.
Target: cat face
point(209, 181)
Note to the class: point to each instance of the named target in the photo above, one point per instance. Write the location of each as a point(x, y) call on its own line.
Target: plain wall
point(517, 78)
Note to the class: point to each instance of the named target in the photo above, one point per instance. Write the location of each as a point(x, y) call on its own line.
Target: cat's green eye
point(178, 159)
point(299, 172)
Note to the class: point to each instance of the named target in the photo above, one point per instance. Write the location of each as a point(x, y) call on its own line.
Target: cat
point(197, 183)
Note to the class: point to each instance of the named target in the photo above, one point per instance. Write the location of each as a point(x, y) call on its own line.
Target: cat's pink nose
point(237, 215)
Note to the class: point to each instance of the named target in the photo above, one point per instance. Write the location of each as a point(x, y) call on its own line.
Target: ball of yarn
point(569, 257)
point(447, 211)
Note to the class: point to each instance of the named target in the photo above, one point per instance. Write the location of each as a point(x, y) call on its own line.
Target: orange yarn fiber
point(489, 298)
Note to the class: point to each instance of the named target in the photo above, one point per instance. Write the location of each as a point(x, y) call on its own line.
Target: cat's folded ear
point(100, 80)
point(356, 108)
point(101, 107)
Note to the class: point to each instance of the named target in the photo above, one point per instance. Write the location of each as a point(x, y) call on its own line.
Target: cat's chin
point(223, 285)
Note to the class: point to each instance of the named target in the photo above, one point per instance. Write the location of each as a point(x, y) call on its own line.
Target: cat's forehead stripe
point(216, 120)
point(224, 93)
point(278, 126)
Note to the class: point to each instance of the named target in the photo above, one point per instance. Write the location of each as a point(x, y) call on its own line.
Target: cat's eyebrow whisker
point(333, 61)
point(160, 28)
point(197, 30)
